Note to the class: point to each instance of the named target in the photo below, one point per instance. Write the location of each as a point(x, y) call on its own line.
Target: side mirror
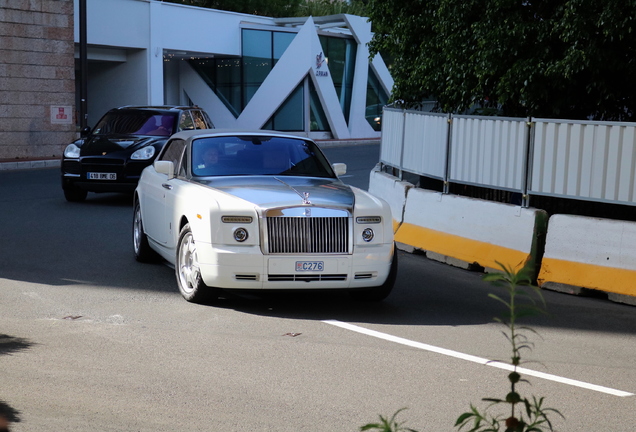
point(339, 168)
point(165, 167)
point(85, 132)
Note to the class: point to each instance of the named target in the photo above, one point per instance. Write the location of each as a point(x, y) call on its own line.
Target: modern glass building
point(306, 75)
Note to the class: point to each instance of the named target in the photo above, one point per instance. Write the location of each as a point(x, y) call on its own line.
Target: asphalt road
point(91, 340)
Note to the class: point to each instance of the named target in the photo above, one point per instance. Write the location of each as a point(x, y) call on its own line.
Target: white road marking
point(475, 359)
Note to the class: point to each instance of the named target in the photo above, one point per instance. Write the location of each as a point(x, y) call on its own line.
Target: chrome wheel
point(137, 229)
point(189, 272)
point(141, 247)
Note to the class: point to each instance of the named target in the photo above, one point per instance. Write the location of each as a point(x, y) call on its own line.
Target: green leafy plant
point(524, 414)
point(387, 424)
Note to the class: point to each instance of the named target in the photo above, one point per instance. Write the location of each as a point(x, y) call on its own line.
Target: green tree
point(542, 58)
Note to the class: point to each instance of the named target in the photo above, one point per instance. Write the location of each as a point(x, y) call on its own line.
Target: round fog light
point(367, 234)
point(240, 234)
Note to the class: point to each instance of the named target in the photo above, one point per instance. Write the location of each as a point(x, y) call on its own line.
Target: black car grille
point(98, 162)
point(308, 235)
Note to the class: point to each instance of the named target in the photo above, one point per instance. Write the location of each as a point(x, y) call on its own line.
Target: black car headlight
point(72, 151)
point(143, 153)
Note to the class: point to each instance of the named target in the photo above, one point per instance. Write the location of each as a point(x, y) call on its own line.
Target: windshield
point(226, 156)
point(136, 123)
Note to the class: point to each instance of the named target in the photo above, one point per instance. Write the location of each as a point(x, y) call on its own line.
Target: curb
point(29, 164)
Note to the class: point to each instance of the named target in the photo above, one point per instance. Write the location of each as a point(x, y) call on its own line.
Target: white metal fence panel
point(392, 137)
point(425, 143)
point(585, 160)
point(489, 152)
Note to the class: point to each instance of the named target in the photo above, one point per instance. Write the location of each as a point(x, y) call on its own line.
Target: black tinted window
point(132, 122)
point(200, 120)
point(185, 121)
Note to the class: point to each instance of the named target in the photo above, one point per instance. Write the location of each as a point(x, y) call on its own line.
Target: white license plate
point(312, 266)
point(102, 176)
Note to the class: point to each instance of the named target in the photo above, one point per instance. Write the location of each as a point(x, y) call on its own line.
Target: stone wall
point(37, 78)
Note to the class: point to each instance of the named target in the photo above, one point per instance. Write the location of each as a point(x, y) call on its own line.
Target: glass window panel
point(281, 43)
point(257, 61)
point(341, 57)
point(185, 122)
point(257, 43)
point(376, 99)
point(290, 116)
point(317, 117)
point(228, 83)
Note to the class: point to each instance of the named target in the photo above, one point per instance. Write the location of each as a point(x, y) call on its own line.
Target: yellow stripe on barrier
point(461, 248)
point(608, 279)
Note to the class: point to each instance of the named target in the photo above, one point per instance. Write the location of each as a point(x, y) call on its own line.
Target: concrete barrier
point(392, 190)
point(583, 253)
point(468, 232)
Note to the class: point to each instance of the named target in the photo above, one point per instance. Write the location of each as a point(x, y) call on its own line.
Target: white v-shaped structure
point(303, 58)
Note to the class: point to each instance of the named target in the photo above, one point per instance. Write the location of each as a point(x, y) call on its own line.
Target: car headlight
point(72, 151)
point(367, 234)
point(240, 235)
point(143, 153)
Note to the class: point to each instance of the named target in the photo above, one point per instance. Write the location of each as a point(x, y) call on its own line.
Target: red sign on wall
point(61, 114)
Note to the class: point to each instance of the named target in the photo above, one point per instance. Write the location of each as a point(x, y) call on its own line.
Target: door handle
point(166, 186)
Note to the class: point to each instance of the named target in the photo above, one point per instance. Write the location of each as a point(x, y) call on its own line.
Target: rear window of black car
point(232, 155)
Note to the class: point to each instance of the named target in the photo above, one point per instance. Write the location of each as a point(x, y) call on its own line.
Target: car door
point(157, 221)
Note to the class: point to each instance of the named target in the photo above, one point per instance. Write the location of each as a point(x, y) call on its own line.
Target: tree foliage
point(542, 58)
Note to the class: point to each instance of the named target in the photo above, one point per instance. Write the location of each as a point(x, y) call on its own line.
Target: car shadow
point(449, 297)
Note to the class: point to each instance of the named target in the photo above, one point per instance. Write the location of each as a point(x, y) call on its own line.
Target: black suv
point(126, 140)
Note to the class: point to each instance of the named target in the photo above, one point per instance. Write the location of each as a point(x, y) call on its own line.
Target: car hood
point(284, 191)
point(105, 144)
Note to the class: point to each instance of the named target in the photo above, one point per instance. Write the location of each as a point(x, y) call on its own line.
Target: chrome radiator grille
point(308, 235)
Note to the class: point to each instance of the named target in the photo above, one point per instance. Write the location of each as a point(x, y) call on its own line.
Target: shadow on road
point(9, 345)
point(433, 294)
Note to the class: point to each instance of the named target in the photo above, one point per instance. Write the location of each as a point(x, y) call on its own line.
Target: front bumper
point(75, 174)
point(248, 268)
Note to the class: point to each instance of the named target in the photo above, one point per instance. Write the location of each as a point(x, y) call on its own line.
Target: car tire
point(188, 272)
point(141, 247)
point(75, 194)
point(381, 292)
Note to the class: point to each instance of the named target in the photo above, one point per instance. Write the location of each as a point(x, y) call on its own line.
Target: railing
point(593, 161)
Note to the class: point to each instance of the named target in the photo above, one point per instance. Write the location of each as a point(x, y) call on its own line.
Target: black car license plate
point(101, 176)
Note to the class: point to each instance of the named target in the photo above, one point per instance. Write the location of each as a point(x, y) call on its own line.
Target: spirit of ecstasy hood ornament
point(304, 195)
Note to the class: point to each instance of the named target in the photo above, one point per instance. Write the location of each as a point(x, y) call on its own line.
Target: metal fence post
point(527, 164)
point(447, 168)
point(402, 144)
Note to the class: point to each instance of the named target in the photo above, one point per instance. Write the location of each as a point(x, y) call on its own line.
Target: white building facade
point(306, 75)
